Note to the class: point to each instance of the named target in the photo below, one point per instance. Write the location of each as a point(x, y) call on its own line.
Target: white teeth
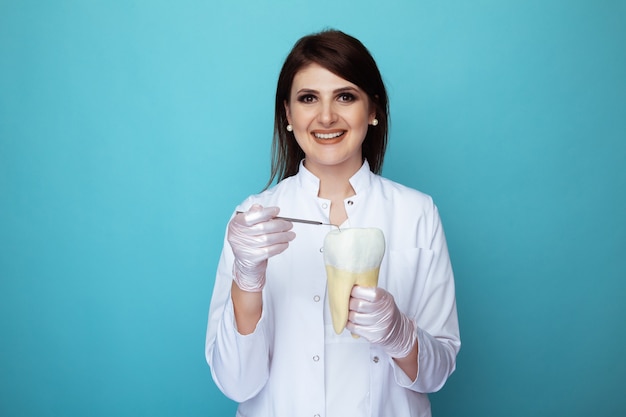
point(328, 135)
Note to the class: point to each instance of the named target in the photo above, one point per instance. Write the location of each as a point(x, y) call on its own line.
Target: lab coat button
point(350, 202)
point(316, 298)
point(325, 205)
point(316, 415)
point(322, 249)
point(316, 358)
point(375, 359)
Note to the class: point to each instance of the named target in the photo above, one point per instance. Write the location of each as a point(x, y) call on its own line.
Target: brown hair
point(346, 57)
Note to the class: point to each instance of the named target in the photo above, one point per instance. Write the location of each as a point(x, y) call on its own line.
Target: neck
point(334, 181)
point(336, 188)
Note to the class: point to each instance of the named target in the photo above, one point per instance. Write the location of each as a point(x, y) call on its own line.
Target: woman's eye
point(306, 98)
point(346, 97)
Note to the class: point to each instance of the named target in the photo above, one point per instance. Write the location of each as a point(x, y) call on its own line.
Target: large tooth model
point(352, 256)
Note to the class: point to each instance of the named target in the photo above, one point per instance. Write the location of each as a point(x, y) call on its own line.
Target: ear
point(287, 111)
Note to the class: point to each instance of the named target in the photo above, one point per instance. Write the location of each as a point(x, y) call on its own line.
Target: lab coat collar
point(307, 181)
point(360, 181)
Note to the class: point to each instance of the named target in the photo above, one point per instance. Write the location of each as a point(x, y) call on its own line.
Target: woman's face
point(330, 118)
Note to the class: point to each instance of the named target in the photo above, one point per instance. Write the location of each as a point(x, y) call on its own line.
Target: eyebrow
point(337, 91)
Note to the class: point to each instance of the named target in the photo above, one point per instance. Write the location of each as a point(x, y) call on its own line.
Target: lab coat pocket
point(404, 274)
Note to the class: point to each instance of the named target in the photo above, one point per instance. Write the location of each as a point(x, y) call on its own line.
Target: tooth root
point(351, 256)
point(340, 283)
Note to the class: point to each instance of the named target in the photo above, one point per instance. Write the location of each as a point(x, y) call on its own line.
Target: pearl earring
point(375, 122)
point(289, 128)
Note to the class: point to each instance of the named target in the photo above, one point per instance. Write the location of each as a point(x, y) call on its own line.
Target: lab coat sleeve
point(239, 363)
point(436, 317)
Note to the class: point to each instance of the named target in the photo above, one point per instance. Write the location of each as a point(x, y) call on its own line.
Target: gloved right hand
point(256, 236)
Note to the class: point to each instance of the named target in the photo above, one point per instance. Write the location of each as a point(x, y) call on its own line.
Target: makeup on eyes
point(350, 92)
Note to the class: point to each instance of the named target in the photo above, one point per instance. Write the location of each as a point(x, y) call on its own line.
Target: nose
point(327, 115)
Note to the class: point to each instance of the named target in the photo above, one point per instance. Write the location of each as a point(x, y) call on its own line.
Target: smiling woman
point(329, 118)
point(271, 341)
point(347, 59)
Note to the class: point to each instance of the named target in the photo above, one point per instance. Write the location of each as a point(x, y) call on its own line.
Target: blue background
point(129, 130)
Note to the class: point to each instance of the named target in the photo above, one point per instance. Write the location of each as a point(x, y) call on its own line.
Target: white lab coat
point(294, 364)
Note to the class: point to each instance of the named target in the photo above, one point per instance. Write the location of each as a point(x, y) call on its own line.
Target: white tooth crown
point(352, 256)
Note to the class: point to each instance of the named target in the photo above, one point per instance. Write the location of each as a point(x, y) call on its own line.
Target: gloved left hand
point(375, 316)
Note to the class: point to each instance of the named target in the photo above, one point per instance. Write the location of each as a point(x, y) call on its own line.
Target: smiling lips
point(330, 137)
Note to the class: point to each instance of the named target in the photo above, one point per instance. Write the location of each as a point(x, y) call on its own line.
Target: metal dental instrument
point(292, 219)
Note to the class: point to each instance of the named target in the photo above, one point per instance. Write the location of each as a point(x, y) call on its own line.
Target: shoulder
point(410, 217)
point(401, 194)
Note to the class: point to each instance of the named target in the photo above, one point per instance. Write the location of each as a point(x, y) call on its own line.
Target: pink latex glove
point(256, 236)
point(375, 316)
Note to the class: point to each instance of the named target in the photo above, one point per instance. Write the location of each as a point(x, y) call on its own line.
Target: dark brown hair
point(346, 57)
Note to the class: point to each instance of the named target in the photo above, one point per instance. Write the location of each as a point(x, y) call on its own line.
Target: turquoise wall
point(129, 130)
